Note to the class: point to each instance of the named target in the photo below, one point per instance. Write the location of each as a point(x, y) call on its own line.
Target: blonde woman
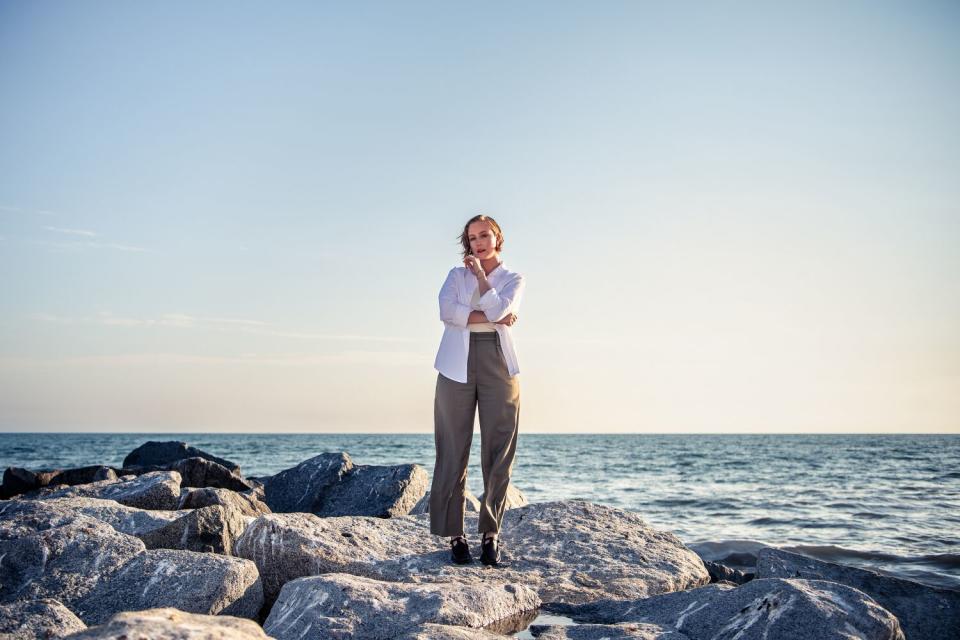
point(477, 366)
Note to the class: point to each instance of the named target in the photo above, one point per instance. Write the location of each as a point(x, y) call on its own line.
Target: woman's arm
point(480, 316)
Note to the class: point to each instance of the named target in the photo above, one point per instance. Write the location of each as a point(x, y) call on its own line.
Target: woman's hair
point(465, 236)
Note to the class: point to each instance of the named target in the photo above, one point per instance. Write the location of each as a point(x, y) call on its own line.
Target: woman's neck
point(490, 265)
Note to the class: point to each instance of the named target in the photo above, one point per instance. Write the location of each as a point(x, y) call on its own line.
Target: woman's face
point(483, 241)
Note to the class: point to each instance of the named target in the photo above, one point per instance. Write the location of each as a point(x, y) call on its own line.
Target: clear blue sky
point(236, 216)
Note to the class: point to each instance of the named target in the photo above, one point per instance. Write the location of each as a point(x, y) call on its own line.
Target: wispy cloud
point(185, 321)
point(78, 232)
point(94, 245)
point(9, 209)
point(364, 357)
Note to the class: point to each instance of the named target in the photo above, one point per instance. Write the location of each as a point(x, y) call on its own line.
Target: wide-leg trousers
point(491, 390)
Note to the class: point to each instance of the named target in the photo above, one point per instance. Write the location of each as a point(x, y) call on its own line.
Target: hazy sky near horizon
point(236, 216)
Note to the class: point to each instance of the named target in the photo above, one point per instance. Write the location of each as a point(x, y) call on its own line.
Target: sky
point(236, 216)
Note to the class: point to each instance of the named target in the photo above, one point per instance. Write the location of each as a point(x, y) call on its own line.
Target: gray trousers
point(489, 389)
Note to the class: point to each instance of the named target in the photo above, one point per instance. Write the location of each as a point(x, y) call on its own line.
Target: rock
point(161, 453)
point(155, 490)
point(286, 546)
point(381, 491)
point(124, 519)
point(17, 480)
point(571, 551)
point(301, 488)
point(193, 582)
point(735, 554)
point(172, 624)
point(924, 612)
point(791, 609)
point(51, 554)
point(343, 605)
point(198, 472)
point(471, 504)
point(624, 630)
point(212, 529)
point(37, 620)
point(83, 475)
point(719, 573)
point(432, 631)
point(248, 504)
point(515, 497)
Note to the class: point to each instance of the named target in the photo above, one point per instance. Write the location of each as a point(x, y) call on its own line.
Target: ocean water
point(885, 502)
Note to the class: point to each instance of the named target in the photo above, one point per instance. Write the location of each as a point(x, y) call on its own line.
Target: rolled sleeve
point(497, 304)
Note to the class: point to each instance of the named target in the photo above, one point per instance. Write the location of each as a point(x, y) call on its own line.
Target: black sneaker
point(490, 551)
point(460, 550)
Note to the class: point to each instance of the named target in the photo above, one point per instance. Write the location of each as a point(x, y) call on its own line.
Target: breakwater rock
point(329, 548)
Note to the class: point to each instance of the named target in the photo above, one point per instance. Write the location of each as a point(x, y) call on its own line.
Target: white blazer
point(503, 297)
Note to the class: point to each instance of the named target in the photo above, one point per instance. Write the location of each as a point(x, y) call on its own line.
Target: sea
point(890, 503)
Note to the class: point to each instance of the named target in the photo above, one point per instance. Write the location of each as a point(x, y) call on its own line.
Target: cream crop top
point(479, 326)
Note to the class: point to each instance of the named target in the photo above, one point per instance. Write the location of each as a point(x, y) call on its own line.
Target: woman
point(477, 367)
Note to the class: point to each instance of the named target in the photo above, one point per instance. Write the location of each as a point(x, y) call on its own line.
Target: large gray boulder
point(286, 546)
point(193, 582)
point(124, 519)
point(381, 491)
point(172, 624)
point(924, 612)
point(301, 489)
point(247, 503)
point(572, 551)
point(621, 631)
point(212, 529)
point(196, 472)
point(791, 609)
point(17, 481)
point(341, 605)
point(52, 554)
point(37, 620)
point(199, 472)
point(161, 453)
point(155, 490)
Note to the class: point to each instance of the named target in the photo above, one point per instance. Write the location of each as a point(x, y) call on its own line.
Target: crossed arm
point(498, 307)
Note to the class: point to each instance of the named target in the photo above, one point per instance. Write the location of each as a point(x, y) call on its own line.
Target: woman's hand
point(472, 262)
point(508, 319)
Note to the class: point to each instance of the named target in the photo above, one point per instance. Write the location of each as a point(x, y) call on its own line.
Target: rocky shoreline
point(177, 543)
